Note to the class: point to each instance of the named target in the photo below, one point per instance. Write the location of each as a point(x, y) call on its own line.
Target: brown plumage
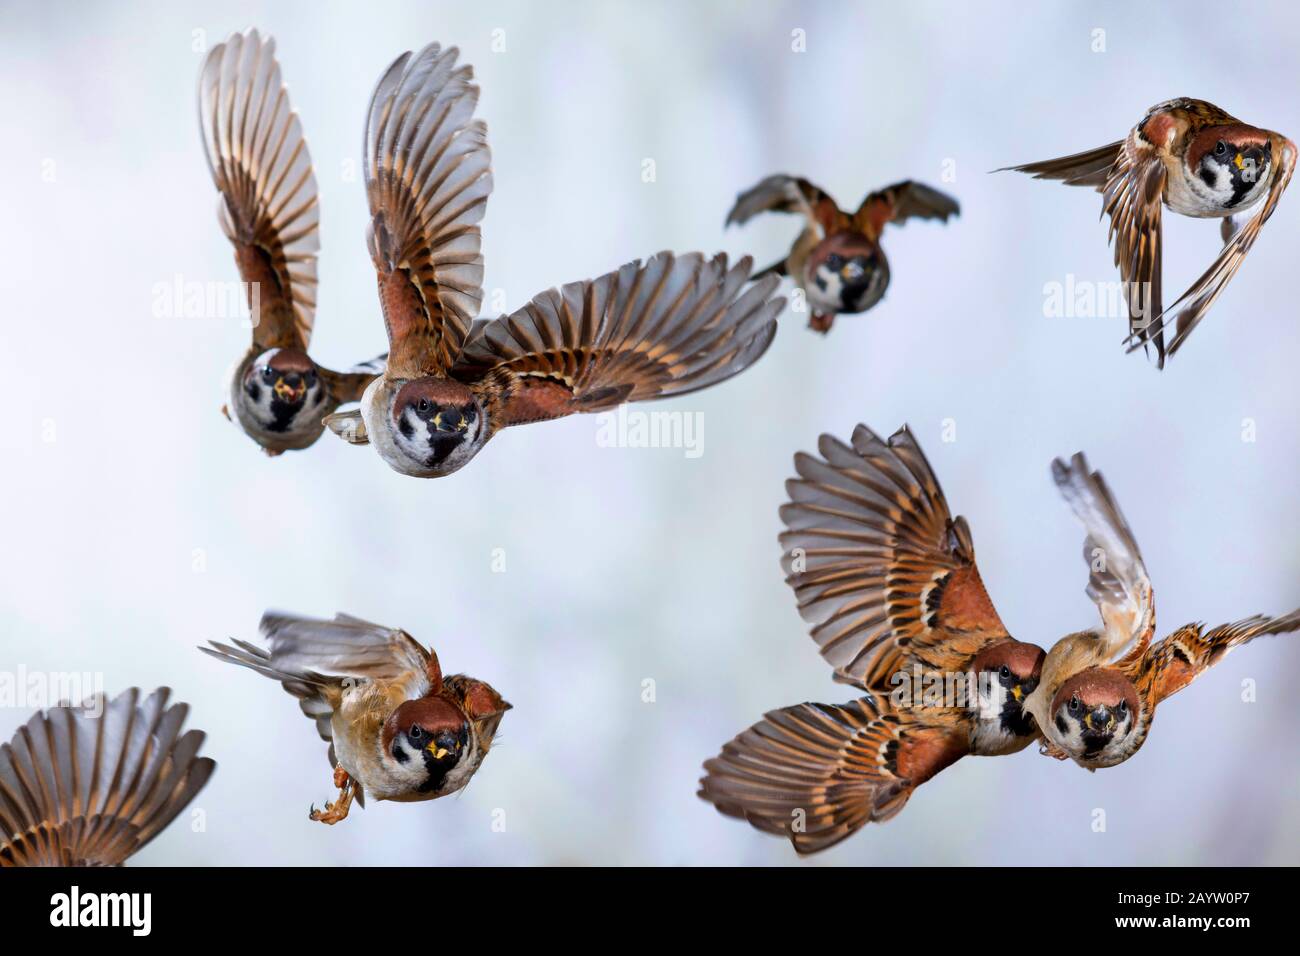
point(1199, 161)
point(887, 579)
point(665, 327)
point(92, 785)
point(269, 210)
point(397, 729)
point(837, 260)
point(1099, 689)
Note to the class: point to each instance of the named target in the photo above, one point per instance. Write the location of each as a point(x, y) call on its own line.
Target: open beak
point(1238, 161)
point(287, 393)
point(438, 752)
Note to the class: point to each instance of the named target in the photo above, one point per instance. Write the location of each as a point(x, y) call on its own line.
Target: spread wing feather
point(879, 567)
point(92, 785)
point(667, 327)
point(790, 194)
point(900, 202)
point(1117, 576)
point(428, 177)
point(1177, 660)
point(816, 773)
point(260, 164)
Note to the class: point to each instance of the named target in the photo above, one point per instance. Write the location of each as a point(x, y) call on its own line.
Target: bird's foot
point(820, 322)
point(338, 810)
point(1051, 750)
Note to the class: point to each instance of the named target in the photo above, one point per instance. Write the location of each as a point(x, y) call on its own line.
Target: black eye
point(834, 260)
point(268, 375)
point(1123, 707)
point(423, 405)
point(416, 732)
point(1075, 706)
point(1005, 672)
point(310, 378)
point(1220, 148)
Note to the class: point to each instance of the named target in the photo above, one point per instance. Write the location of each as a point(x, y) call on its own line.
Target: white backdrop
point(139, 523)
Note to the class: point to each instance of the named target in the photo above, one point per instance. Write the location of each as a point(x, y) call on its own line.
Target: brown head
point(1093, 713)
point(845, 272)
point(1006, 673)
point(437, 423)
point(426, 738)
point(1230, 163)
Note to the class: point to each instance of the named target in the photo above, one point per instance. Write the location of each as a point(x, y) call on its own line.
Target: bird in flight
point(1199, 161)
point(666, 326)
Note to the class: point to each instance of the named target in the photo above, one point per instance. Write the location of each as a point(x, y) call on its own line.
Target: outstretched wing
point(816, 773)
point(667, 327)
point(428, 176)
point(1131, 177)
point(882, 571)
point(1117, 577)
point(91, 785)
point(1173, 663)
point(900, 202)
point(792, 194)
point(1132, 197)
point(1196, 301)
point(260, 164)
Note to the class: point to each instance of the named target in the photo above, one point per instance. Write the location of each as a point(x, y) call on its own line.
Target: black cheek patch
point(404, 427)
point(254, 391)
point(1061, 725)
point(400, 755)
point(1208, 177)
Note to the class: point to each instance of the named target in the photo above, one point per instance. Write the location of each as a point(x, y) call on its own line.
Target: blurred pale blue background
point(627, 565)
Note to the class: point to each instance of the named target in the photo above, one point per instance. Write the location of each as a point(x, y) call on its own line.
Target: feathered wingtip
point(91, 785)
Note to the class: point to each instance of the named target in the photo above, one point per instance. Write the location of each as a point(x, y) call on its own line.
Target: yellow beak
point(438, 752)
point(1238, 162)
point(1017, 692)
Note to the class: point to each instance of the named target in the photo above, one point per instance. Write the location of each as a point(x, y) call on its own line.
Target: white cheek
point(990, 696)
point(1222, 187)
point(1072, 737)
point(828, 298)
point(832, 281)
point(417, 444)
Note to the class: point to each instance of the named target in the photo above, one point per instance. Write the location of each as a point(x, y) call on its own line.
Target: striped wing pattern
point(883, 573)
point(91, 785)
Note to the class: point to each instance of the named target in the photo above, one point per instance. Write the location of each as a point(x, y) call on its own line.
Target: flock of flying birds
point(882, 571)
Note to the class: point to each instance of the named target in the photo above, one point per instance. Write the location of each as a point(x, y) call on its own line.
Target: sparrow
point(1099, 689)
point(668, 326)
point(396, 727)
point(91, 785)
point(837, 260)
point(268, 209)
point(1199, 161)
point(887, 579)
